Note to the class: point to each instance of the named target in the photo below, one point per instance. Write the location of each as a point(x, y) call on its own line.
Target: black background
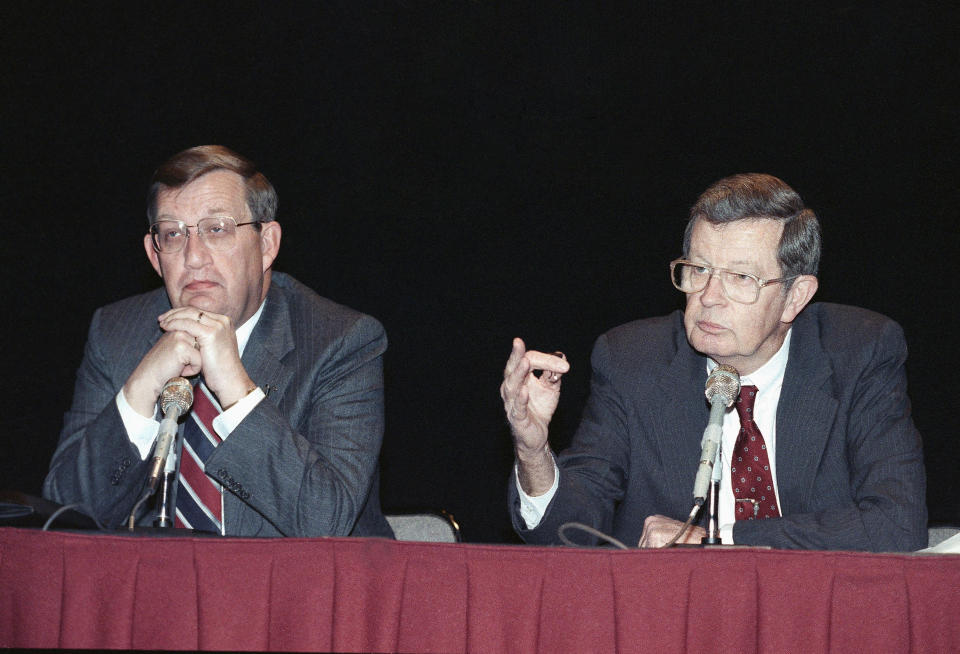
point(469, 171)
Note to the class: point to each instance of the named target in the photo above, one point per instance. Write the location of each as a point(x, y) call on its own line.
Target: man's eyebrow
point(213, 211)
point(737, 262)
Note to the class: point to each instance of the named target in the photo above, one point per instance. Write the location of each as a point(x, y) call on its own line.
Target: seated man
point(833, 460)
point(284, 435)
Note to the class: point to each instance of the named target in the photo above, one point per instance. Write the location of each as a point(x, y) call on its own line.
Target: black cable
point(67, 507)
point(590, 530)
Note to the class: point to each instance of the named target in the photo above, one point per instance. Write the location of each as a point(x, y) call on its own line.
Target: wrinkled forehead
point(750, 244)
point(219, 192)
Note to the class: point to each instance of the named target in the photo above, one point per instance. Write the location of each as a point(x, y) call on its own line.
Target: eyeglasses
point(218, 233)
point(744, 288)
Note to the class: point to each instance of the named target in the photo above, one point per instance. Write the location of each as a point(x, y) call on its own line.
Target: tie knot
point(744, 403)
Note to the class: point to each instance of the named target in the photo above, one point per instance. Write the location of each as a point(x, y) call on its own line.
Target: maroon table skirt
point(81, 590)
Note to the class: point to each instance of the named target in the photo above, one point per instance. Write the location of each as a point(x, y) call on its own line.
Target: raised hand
point(529, 401)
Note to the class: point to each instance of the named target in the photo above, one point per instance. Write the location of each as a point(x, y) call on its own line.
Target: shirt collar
point(243, 331)
point(770, 373)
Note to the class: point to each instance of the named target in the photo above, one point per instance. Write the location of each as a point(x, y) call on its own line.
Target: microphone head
point(176, 392)
point(724, 381)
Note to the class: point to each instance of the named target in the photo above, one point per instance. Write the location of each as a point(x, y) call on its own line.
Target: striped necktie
point(199, 498)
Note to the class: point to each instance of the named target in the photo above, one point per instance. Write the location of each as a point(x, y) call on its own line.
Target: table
point(91, 590)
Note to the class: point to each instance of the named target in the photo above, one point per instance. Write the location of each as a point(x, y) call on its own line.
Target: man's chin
point(710, 345)
point(203, 303)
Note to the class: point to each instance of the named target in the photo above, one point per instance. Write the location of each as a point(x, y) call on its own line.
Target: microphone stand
point(713, 528)
point(713, 524)
point(164, 510)
point(175, 400)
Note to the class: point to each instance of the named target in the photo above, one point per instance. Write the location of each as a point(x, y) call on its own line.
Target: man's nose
point(195, 252)
point(713, 292)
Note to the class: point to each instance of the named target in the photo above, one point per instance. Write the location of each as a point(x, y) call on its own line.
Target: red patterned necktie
point(750, 466)
point(199, 496)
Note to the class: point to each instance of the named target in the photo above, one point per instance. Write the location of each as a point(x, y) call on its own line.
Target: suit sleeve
point(886, 510)
point(593, 470)
point(313, 478)
point(95, 463)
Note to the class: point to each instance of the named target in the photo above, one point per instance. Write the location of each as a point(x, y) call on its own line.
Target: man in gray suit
point(296, 379)
point(843, 457)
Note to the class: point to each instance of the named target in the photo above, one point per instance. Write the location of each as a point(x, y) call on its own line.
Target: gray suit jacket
point(304, 462)
point(849, 460)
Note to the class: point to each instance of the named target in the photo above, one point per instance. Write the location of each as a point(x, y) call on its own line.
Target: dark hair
point(184, 167)
point(756, 195)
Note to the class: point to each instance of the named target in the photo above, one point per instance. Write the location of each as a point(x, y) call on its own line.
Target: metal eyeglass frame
point(186, 230)
point(714, 270)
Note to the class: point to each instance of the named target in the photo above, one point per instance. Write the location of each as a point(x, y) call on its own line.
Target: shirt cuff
point(227, 421)
point(533, 508)
point(141, 431)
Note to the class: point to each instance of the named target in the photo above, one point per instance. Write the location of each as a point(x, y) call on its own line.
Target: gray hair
point(184, 167)
point(757, 195)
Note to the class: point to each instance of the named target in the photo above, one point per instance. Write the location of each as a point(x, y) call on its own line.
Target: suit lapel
point(133, 351)
point(680, 411)
point(805, 414)
point(269, 343)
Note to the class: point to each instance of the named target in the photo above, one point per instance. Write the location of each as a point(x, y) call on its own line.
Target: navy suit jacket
point(849, 460)
point(304, 462)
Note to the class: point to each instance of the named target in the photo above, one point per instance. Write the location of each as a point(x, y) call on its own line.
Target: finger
point(198, 323)
point(188, 327)
point(516, 379)
point(547, 362)
point(192, 314)
point(649, 524)
point(550, 378)
point(188, 348)
point(692, 536)
point(516, 355)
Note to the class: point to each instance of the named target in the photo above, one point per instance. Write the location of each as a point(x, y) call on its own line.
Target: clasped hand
point(194, 341)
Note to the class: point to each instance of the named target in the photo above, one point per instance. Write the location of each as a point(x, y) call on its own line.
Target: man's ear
point(799, 295)
point(152, 254)
point(270, 234)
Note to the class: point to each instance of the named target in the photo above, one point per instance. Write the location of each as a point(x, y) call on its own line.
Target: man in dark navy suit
point(827, 387)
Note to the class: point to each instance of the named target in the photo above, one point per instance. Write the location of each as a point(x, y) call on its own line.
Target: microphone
point(175, 399)
point(723, 387)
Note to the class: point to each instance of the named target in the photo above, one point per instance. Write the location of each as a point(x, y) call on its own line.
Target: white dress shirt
point(769, 380)
point(143, 431)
